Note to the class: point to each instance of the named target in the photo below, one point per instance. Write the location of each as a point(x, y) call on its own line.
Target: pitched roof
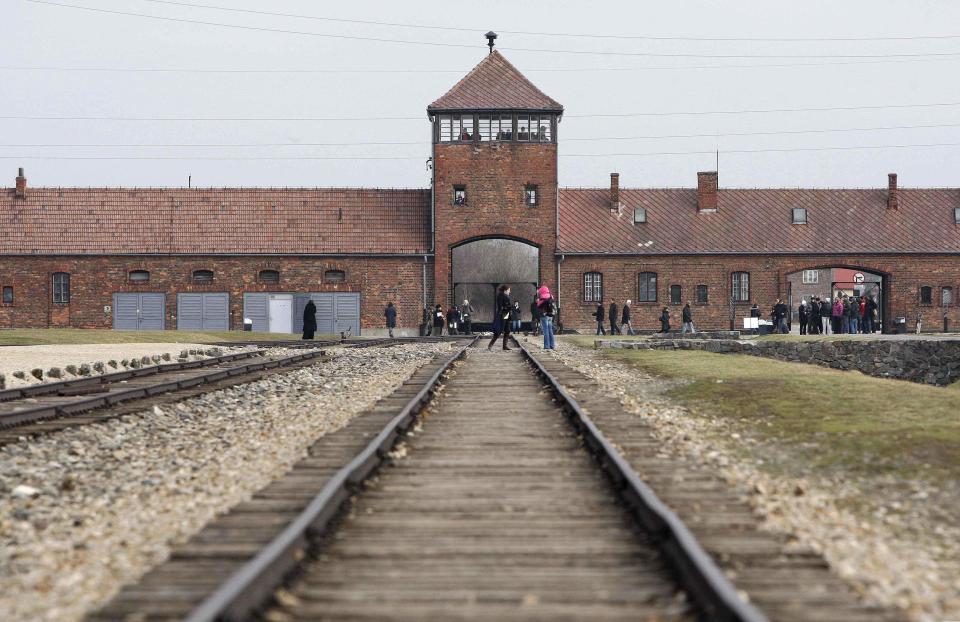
point(495, 84)
point(218, 221)
point(759, 221)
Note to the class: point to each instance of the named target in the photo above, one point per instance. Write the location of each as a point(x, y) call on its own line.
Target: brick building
point(208, 258)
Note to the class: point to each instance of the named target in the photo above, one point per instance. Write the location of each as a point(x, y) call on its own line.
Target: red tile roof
point(227, 221)
point(759, 221)
point(495, 84)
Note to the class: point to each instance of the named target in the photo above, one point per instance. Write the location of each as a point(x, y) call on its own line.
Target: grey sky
point(38, 35)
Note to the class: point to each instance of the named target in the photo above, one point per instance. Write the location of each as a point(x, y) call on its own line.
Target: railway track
point(503, 501)
point(49, 407)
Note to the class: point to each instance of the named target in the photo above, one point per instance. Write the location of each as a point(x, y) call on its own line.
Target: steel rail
point(698, 573)
point(252, 584)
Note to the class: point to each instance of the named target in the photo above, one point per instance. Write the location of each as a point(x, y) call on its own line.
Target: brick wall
point(94, 280)
point(905, 274)
point(495, 175)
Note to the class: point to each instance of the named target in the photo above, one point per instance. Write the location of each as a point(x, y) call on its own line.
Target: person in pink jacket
point(548, 307)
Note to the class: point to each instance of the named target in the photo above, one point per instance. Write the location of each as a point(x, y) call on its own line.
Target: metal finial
point(490, 37)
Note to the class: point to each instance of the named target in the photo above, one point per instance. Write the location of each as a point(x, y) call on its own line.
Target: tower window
point(523, 127)
point(466, 132)
point(542, 129)
point(531, 195)
point(459, 195)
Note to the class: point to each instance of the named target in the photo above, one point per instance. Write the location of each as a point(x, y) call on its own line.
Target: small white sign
point(858, 277)
point(107, 308)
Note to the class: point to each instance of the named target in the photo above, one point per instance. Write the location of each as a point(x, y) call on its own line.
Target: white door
point(281, 313)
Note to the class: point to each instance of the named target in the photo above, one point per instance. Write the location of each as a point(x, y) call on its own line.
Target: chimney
point(21, 192)
point(707, 191)
point(893, 197)
point(615, 193)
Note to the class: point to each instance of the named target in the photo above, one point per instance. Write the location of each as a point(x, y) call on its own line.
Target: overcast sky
point(649, 78)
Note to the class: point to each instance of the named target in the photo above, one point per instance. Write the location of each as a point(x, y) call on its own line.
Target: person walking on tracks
point(625, 318)
point(546, 307)
point(501, 317)
point(535, 316)
point(515, 317)
point(453, 320)
point(309, 320)
point(665, 320)
point(438, 321)
point(599, 315)
point(687, 317)
point(390, 315)
point(614, 316)
point(466, 316)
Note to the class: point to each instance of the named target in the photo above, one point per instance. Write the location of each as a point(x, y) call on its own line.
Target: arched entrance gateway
point(841, 280)
point(479, 267)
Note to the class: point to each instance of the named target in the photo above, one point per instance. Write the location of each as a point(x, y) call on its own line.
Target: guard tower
point(495, 182)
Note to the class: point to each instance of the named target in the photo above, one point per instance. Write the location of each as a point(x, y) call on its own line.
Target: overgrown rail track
point(490, 495)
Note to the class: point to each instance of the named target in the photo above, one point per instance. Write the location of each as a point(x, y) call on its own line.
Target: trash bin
point(247, 324)
point(900, 326)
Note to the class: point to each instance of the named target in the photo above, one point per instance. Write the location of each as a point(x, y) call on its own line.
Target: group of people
point(457, 320)
point(507, 316)
point(686, 317)
point(843, 315)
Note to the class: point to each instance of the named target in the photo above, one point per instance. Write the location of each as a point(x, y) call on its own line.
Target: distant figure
point(453, 320)
point(390, 313)
point(599, 315)
point(665, 320)
point(781, 311)
point(687, 320)
point(438, 321)
point(625, 318)
point(535, 316)
point(802, 313)
point(309, 320)
point(853, 312)
point(614, 316)
point(870, 316)
point(515, 317)
point(546, 307)
point(501, 317)
point(755, 311)
point(836, 313)
point(826, 315)
point(466, 316)
point(425, 322)
point(919, 321)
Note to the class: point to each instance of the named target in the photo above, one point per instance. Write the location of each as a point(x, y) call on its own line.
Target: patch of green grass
point(832, 420)
point(46, 336)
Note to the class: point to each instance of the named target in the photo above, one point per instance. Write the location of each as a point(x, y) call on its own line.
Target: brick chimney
point(615, 193)
point(893, 196)
point(707, 191)
point(21, 191)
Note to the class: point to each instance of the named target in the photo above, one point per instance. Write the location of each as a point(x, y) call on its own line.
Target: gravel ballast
point(88, 509)
point(895, 551)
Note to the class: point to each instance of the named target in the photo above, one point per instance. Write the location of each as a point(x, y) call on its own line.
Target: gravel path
point(897, 549)
point(89, 509)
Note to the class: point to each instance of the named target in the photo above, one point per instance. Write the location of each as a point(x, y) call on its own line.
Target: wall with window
point(495, 127)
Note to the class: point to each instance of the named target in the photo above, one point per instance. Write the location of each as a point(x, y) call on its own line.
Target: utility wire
point(420, 142)
point(548, 34)
point(471, 46)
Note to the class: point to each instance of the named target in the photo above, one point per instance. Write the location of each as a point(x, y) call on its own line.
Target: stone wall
point(930, 361)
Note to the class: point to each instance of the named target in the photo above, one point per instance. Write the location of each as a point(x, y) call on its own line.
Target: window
point(334, 276)
point(592, 287)
point(799, 216)
point(465, 127)
point(531, 195)
point(7, 295)
point(269, 276)
point(676, 294)
point(61, 287)
point(202, 276)
point(639, 215)
point(740, 286)
point(956, 215)
point(523, 127)
point(946, 296)
point(459, 195)
point(811, 276)
point(648, 287)
point(926, 295)
point(703, 294)
point(443, 129)
point(138, 276)
point(501, 127)
point(541, 129)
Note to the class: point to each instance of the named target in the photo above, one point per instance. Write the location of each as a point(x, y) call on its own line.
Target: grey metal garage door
point(135, 311)
point(256, 307)
point(203, 311)
point(336, 311)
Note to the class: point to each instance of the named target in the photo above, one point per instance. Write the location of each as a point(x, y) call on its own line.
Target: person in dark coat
point(515, 317)
point(599, 315)
point(535, 317)
point(390, 314)
point(687, 318)
point(438, 321)
point(425, 322)
point(813, 317)
point(755, 311)
point(665, 320)
point(625, 318)
point(802, 313)
point(826, 315)
point(501, 317)
point(309, 320)
point(466, 316)
point(453, 320)
point(614, 316)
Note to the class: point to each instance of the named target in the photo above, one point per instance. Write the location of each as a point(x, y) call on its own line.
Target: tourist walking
point(919, 321)
point(390, 314)
point(665, 320)
point(599, 315)
point(614, 316)
point(755, 311)
point(869, 316)
point(687, 316)
point(853, 313)
point(625, 319)
point(438, 321)
point(814, 321)
point(535, 316)
point(501, 316)
point(845, 315)
point(453, 320)
point(425, 322)
point(515, 317)
point(802, 312)
point(466, 316)
point(826, 314)
point(837, 314)
point(309, 320)
point(545, 311)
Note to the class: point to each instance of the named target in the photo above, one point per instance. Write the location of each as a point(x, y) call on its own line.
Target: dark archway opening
point(479, 267)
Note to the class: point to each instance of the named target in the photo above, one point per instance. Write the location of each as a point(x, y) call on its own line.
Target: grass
point(831, 420)
point(49, 336)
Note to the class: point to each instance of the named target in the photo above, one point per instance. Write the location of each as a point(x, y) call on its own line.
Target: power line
point(574, 116)
point(564, 155)
point(550, 34)
point(471, 46)
point(408, 143)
